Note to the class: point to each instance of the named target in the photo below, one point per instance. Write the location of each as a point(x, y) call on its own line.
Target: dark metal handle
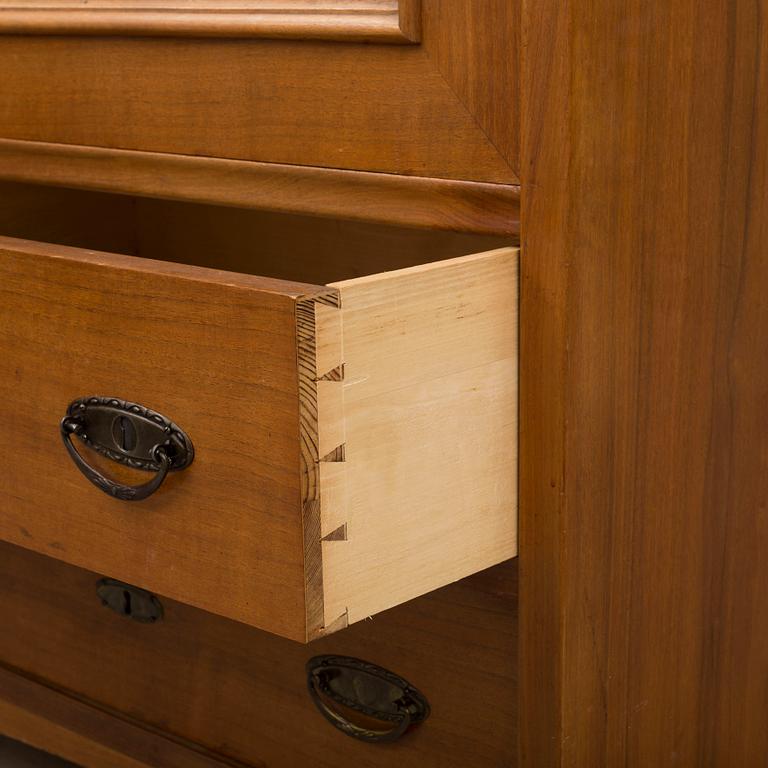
point(318, 685)
point(70, 426)
point(129, 434)
point(375, 693)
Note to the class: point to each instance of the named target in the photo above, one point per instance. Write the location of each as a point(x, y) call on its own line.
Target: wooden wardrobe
point(426, 334)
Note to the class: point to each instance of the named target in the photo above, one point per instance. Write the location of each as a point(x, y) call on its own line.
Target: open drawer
point(355, 443)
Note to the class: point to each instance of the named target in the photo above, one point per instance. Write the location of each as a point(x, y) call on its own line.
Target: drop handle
point(343, 688)
point(128, 434)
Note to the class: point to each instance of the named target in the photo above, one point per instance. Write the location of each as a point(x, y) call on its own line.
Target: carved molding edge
point(374, 21)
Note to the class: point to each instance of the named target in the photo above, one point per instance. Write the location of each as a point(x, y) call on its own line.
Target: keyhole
point(124, 434)
point(127, 603)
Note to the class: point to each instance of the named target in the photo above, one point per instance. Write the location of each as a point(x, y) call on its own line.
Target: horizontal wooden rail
point(58, 722)
point(461, 206)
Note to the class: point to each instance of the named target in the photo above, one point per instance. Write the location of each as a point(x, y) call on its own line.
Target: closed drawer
point(241, 692)
point(355, 443)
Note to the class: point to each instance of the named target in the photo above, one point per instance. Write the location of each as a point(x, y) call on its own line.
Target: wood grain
point(475, 46)
point(349, 20)
point(429, 110)
point(216, 352)
point(643, 385)
point(430, 432)
point(374, 197)
point(242, 693)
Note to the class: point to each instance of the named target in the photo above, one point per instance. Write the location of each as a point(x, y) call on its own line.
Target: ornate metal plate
point(128, 433)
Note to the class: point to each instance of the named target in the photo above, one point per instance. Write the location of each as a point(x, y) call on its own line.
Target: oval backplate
point(128, 433)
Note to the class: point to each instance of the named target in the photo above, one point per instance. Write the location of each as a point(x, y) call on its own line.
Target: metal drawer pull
point(129, 434)
point(360, 687)
point(130, 601)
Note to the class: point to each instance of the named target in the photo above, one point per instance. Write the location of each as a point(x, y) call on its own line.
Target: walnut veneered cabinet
point(451, 314)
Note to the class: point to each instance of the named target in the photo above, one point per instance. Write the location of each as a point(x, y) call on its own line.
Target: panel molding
point(381, 21)
point(460, 206)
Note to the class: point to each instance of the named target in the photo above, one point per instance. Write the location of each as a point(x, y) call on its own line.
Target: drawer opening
point(350, 389)
point(304, 249)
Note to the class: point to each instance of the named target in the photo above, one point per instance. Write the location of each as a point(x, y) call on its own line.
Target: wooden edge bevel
point(320, 381)
point(411, 201)
point(162, 269)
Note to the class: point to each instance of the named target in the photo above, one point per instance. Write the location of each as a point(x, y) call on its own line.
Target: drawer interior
point(399, 401)
point(304, 249)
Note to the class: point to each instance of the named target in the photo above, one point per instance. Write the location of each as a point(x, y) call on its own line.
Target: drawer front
point(355, 444)
point(242, 692)
point(215, 352)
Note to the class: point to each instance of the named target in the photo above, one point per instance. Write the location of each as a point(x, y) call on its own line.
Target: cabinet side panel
point(644, 400)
